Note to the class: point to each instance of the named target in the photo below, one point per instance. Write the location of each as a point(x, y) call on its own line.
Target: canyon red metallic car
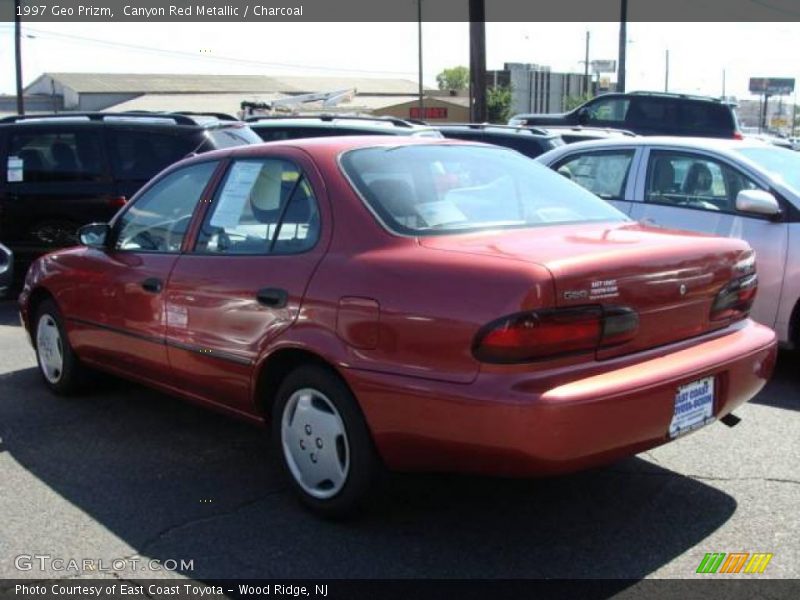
point(410, 303)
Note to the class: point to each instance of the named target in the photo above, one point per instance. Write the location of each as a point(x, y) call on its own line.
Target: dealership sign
point(772, 86)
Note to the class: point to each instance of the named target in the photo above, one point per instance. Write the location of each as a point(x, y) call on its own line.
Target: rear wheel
point(323, 441)
point(59, 365)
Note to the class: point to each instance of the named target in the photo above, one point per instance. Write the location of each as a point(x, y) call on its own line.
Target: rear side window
point(707, 116)
point(262, 207)
point(56, 157)
point(139, 155)
point(602, 173)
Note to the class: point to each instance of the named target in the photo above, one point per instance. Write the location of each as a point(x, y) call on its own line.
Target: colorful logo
point(734, 562)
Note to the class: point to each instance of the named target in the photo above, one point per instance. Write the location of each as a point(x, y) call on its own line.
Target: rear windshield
point(439, 189)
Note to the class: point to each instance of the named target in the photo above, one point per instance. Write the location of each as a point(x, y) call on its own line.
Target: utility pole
point(623, 43)
point(18, 57)
point(586, 67)
point(477, 60)
point(666, 73)
point(723, 84)
point(419, 41)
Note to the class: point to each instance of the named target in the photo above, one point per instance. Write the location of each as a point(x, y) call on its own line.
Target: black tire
point(364, 465)
point(72, 375)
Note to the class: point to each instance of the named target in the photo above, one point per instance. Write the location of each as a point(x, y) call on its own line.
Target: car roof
point(717, 144)
point(334, 121)
point(136, 118)
point(493, 129)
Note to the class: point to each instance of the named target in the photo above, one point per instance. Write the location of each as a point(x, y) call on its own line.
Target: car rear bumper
point(523, 425)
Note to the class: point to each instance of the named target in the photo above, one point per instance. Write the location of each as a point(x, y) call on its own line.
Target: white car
point(736, 188)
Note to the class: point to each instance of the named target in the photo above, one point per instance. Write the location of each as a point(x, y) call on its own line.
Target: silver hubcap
point(49, 348)
point(315, 443)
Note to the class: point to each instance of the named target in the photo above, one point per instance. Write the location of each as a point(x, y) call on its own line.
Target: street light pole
point(419, 42)
point(18, 58)
point(666, 72)
point(586, 67)
point(623, 43)
point(477, 60)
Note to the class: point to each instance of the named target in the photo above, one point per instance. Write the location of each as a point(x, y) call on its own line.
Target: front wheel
point(59, 365)
point(323, 440)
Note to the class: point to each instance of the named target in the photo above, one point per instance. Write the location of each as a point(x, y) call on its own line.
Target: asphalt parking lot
point(124, 471)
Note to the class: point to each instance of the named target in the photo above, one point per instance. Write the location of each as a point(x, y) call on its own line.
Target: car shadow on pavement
point(8, 312)
point(174, 481)
point(782, 388)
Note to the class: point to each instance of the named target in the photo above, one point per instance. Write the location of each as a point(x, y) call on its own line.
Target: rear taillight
point(735, 300)
point(737, 135)
point(547, 333)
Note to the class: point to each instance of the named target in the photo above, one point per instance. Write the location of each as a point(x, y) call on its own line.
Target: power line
point(31, 32)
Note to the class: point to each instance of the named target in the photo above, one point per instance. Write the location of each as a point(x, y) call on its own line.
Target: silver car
point(6, 270)
point(736, 188)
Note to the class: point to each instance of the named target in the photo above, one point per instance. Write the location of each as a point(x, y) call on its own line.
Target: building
point(537, 89)
point(200, 93)
point(780, 113)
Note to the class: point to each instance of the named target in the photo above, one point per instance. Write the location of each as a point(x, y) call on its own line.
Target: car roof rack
point(532, 129)
point(674, 95)
point(329, 117)
point(131, 115)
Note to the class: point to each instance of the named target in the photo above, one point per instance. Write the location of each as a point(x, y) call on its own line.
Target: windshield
point(435, 189)
point(782, 164)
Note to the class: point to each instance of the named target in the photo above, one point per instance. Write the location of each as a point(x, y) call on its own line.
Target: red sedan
point(410, 303)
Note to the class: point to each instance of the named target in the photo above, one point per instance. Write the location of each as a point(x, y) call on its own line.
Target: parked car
point(529, 141)
point(276, 128)
point(6, 270)
point(414, 303)
point(647, 113)
point(579, 133)
point(772, 139)
point(69, 169)
point(742, 189)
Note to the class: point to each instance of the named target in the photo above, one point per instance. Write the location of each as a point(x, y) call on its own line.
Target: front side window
point(602, 173)
point(159, 219)
point(694, 181)
point(612, 110)
point(56, 157)
point(263, 207)
point(440, 189)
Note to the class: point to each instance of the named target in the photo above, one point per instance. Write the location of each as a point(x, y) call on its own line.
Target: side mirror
point(757, 202)
point(94, 235)
point(583, 116)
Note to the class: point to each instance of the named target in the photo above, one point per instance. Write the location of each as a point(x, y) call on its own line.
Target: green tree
point(456, 78)
point(575, 101)
point(498, 104)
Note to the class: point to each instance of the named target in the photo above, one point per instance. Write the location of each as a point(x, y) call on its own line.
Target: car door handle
point(272, 297)
point(152, 285)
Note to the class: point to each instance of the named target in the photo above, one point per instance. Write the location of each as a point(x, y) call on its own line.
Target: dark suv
point(63, 171)
point(274, 128)
point(648, 113)
point(528, 141)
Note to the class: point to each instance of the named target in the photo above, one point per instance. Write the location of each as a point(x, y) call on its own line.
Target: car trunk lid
point(669, 278)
